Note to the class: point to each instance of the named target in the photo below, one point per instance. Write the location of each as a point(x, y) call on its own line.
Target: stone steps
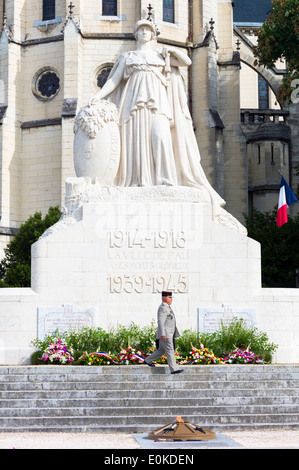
point(145, 423)
point(132, 411)
point(178, 401)
point(152, 393)
point(114, 377)
point(140, 399)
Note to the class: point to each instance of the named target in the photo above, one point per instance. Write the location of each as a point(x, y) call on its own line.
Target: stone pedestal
point(115, 249)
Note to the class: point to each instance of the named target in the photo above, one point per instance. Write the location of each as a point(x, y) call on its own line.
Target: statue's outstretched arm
point(110, 85)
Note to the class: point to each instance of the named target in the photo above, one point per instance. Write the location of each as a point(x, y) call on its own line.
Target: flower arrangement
point(130, 356)
point(57, 352)
point(202, 356)
point(97, 359)
point(84, 346)
point(242, 356)
point(126, 356)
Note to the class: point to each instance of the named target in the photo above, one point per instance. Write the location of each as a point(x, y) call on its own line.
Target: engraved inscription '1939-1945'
point(146, 282)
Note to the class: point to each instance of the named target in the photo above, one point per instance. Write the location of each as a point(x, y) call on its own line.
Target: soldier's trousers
point(166, 346)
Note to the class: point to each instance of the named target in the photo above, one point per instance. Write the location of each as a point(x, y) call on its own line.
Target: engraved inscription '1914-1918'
point(156, 239)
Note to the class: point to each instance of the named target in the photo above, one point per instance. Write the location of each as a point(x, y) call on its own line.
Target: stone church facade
point(54, 56)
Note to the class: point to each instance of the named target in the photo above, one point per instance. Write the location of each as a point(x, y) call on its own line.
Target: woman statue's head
point(140, 29)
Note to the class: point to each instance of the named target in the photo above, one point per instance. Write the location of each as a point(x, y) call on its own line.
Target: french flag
point(286, 199)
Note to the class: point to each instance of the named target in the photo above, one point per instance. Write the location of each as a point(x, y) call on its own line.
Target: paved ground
point(280, 439)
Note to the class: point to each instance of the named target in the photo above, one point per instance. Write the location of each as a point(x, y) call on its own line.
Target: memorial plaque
point(209, 319)
point(64, 318)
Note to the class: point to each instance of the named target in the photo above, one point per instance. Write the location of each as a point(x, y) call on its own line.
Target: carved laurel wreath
point(92, 118)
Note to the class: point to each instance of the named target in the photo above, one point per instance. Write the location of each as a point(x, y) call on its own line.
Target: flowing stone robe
point(158, 144)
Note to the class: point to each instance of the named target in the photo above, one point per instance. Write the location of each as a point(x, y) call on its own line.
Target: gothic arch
point(271, 76)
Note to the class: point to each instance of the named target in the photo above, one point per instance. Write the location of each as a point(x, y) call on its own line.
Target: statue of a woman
point(158, 144)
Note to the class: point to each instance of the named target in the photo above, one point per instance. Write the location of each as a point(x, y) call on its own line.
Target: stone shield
point(97, 142)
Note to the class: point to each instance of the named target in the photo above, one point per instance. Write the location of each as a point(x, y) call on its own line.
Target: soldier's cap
point(166, 294)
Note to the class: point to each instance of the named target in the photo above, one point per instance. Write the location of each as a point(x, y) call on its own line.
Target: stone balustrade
point(258, 116)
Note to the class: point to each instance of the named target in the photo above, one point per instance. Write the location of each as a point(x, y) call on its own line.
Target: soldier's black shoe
point(151, 365)
point(177, 371)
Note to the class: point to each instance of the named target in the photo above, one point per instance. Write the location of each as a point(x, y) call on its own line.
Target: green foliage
point(86, 341)
point(279, 253)
point(35, 358)
point(279, 39)
point(141, 338)
point(190, 338)
point(238, 335)
point(229, 337)
point(92, 339)
point(15, 267)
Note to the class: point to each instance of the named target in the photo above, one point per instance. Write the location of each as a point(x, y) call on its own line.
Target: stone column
point(225, 29)
point(235, 165)
point(73, 66)
point(206, 10)
point(206, 119)
point(10, 140)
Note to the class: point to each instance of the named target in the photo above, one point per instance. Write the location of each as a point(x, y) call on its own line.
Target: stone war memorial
point(140, 216)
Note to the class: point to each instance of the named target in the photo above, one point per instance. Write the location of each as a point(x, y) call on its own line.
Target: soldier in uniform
point(165, 335)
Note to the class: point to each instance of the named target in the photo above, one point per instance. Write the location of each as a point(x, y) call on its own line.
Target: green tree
point(279, 247)
point(279, 39)
point(15, 267)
